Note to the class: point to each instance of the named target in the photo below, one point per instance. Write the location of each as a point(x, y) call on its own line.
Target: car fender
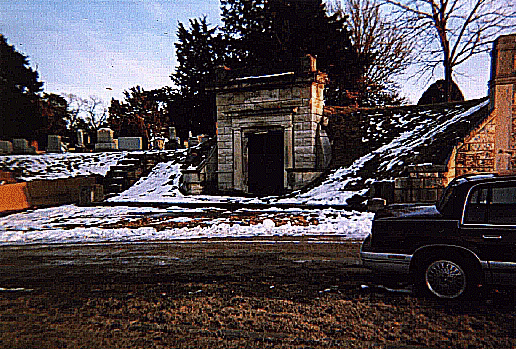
point(425, 251)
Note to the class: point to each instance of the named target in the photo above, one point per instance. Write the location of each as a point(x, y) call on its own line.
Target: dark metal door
point(265, 162)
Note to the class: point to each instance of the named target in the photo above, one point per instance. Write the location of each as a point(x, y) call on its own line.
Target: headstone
point(54, 144)
point(105, 140)
point(6, 147)
point(158, 143)
point(172, 133)
point(21, 146)
point(105, 135)
point(80, 139)
point(130, 143)
point(173, 140)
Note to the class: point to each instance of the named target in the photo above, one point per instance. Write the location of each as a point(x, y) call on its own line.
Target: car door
point(489, 224)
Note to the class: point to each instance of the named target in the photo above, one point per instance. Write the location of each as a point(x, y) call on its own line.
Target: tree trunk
point(445, 44)
point(447, 80)
point(440, 22)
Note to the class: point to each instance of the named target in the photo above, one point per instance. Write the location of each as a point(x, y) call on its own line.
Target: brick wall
point(423, 184)
point(476, 153)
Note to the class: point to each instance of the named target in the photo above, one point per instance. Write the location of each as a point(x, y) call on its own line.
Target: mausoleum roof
point(393, 138)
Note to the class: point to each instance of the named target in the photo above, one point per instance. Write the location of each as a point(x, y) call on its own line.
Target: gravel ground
point(209, 294)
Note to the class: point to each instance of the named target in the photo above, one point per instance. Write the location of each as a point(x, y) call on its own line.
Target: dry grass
point(259, 296)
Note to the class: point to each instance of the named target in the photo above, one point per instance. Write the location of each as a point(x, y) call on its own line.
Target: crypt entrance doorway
point(265, 162)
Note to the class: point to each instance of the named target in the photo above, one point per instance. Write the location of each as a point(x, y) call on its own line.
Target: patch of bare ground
point(234, 295)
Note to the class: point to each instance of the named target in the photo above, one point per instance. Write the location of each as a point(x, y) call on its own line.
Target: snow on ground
point(121, 223)
point(73, 224)
point(162, 186)
point(332, 190)
point(53, 166)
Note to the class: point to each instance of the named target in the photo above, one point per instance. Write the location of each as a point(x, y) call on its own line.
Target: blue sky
point(100, 47)
point(103, 47)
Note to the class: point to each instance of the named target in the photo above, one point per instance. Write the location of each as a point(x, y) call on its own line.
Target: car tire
point(446, 278)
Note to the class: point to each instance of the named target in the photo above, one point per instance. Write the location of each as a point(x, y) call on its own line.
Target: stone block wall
point(347, 129)
point(491, 148)
point(476, 153)
point(423, 184)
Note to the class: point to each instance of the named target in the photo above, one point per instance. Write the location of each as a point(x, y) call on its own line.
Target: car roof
point(472, 179)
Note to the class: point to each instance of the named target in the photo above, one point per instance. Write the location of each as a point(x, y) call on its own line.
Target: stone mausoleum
point(271, 134)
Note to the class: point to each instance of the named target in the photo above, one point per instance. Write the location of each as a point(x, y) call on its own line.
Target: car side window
point(476, 208)
point(504, 195)
point(502, 209)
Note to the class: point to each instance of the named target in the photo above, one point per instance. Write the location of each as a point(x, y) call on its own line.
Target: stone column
point(502, 90)
point(503, 110)
point(238, 171)
point(80, 138)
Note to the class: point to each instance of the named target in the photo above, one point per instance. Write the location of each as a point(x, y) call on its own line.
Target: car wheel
point(445, 278)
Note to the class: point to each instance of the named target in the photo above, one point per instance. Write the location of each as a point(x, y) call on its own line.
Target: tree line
point(363, 45)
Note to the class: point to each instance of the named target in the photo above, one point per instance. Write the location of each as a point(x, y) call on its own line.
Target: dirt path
point(271, 293)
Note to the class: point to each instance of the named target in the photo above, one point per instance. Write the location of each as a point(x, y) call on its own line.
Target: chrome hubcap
point(445, 279)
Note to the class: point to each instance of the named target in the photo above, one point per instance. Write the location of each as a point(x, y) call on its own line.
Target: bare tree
point(76, 106)
point(449, 32)
point(386, 49)
point(96, 113)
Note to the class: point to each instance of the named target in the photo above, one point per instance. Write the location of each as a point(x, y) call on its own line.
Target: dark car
point(448, 250)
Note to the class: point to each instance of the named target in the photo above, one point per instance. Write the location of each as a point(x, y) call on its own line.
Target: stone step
point(134, 162)
point(114, 188)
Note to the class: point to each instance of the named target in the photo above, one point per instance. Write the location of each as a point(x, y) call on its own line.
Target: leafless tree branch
point(454, 30)
point(96, 112)
point(386, 48)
